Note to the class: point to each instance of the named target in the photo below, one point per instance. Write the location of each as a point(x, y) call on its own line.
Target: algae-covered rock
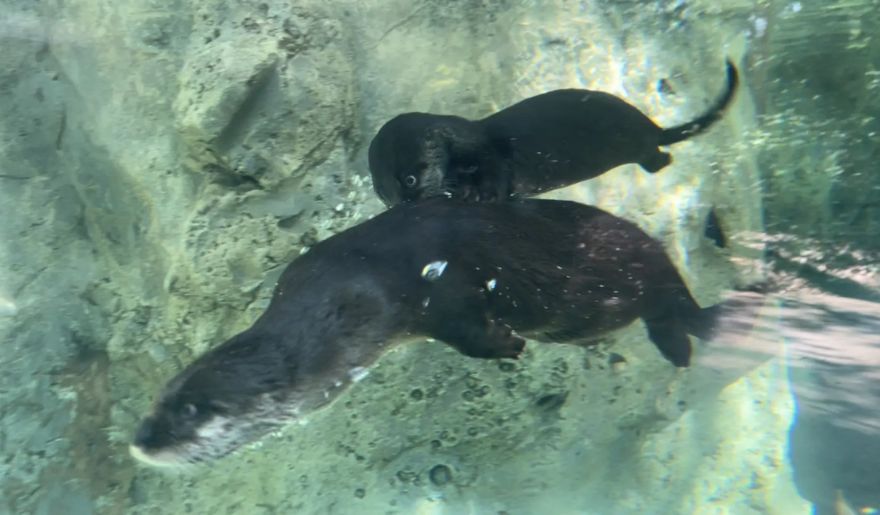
point(162, 161)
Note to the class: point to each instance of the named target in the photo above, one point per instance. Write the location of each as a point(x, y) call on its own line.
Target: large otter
point(477, 276)
point(542, 143)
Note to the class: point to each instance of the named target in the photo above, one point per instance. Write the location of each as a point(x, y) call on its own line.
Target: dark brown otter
point(539, 144)
point(477, 276)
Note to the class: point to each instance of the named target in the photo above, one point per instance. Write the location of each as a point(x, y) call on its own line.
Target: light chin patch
point(216, 428)
point(358, 373)
point(159, 459)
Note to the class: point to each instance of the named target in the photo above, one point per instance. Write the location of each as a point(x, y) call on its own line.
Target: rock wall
point(162, 161)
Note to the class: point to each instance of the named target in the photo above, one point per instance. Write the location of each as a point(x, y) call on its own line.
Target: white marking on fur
point(358, 373)
point(158, 459)
point(213, 428)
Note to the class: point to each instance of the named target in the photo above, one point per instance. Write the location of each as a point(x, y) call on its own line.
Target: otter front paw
point(485, 339)
point(503, 342)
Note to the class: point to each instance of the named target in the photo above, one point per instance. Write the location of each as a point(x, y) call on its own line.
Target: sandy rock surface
point(161, 162)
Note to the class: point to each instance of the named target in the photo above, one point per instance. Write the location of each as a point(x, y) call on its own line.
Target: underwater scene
point(463, 257)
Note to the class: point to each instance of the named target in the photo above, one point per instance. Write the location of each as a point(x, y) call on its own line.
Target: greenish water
point(161, 161)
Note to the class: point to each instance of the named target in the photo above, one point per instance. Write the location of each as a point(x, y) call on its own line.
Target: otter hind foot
point(656, 162)
point(671, 339)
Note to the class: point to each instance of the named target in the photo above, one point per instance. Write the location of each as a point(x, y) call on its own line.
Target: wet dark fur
point(553, 271)
point(539, 144)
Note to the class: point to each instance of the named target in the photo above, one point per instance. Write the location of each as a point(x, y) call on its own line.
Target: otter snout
point(148, 442)
point(144, 434)
point(150, 436)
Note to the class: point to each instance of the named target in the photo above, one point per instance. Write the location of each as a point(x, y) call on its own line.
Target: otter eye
point(189, 410)
point(409, 181)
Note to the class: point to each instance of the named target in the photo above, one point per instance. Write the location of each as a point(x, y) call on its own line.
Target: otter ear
point(463, 140)
point(467, 146)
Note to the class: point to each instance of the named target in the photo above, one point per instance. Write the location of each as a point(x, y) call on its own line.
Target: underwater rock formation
point(163, 160)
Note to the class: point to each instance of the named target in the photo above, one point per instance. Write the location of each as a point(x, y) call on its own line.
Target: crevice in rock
point(262, 88)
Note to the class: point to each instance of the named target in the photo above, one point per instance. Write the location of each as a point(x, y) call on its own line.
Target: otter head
point(229, 397)
point(420, 155)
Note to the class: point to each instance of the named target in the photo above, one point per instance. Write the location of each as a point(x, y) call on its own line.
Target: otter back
point(477, 276)
point(542, 143)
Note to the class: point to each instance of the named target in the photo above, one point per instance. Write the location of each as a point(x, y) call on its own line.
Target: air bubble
point(433, 270)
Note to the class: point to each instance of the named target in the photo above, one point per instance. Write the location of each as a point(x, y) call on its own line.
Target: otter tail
point(692, 128)
point(669, 331)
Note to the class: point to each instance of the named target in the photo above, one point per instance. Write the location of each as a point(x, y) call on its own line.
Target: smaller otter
point(539, 144)
point(476, 276)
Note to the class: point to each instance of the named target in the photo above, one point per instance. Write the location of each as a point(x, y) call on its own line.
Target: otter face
point(179, 434)
point(409, 159)
point(231, 396)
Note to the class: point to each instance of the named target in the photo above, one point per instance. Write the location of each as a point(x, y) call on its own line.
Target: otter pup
point(539, 144)
point(479, 277)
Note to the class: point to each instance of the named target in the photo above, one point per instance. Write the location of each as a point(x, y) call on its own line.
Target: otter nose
point(144, 433)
